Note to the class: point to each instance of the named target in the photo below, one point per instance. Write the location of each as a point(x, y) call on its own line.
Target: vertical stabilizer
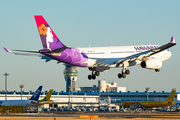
point(36, 94)
point(48, 38)
point(47, 97)
point(171, 97)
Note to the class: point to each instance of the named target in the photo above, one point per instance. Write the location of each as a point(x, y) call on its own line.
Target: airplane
point(149, 104)
point(97, 59)
point(32, 101)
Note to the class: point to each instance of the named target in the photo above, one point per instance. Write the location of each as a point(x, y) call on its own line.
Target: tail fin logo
point(36, 93)
point(42, 30)
point(46, 31)
point(171, 96)
point(48, 38)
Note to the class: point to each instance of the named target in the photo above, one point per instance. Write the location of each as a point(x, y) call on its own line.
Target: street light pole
point(21, 86)
point(99, 95)
point(147, 89)
point(6, 74)
point(69, 94)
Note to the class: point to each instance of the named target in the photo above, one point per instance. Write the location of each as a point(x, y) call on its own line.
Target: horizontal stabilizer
point(24, 52)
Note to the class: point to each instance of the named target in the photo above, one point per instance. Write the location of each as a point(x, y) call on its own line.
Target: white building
point(106, 87)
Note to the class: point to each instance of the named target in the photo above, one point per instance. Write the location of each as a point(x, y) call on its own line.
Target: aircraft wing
point(139, 105)
point(138, 56)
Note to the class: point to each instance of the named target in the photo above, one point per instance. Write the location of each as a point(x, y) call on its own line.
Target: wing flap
point(106, 61)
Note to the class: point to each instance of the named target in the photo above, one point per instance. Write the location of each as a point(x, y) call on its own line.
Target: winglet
point(8, 51)
point(172, 40)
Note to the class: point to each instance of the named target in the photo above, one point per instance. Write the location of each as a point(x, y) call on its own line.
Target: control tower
point(70, 74)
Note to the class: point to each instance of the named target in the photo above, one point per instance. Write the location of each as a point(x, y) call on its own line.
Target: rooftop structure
point(106, 87)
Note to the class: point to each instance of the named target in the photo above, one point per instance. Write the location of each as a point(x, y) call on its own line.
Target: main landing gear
point(94, 74)
point(124, 71)
point(123, 74)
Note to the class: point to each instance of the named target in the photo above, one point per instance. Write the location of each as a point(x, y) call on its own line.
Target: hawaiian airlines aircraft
point(98, 59)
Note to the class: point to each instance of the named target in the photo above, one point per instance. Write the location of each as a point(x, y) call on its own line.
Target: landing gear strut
point(124, 71)
point(94, 74)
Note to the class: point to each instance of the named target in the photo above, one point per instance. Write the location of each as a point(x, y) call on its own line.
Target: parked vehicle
point(53, 109)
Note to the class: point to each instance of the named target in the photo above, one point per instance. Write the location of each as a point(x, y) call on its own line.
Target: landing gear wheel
point(93, 77)
point(127, 72)
point(97, 73)
point(123, 75)
point(119, 75)
point(89, 77)
point(157, 70)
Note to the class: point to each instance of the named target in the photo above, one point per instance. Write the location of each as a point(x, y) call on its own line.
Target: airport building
point(90, 98)
point(106, 87)
point(70, 75)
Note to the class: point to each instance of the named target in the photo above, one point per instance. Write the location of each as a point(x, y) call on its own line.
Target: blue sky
point(83, 23)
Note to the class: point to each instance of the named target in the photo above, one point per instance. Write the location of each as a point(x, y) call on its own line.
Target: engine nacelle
point(151, 64)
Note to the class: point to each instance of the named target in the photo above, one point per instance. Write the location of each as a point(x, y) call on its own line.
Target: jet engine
point(151, 64)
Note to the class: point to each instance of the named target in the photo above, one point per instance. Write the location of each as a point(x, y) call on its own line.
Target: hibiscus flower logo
point(42, 30)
